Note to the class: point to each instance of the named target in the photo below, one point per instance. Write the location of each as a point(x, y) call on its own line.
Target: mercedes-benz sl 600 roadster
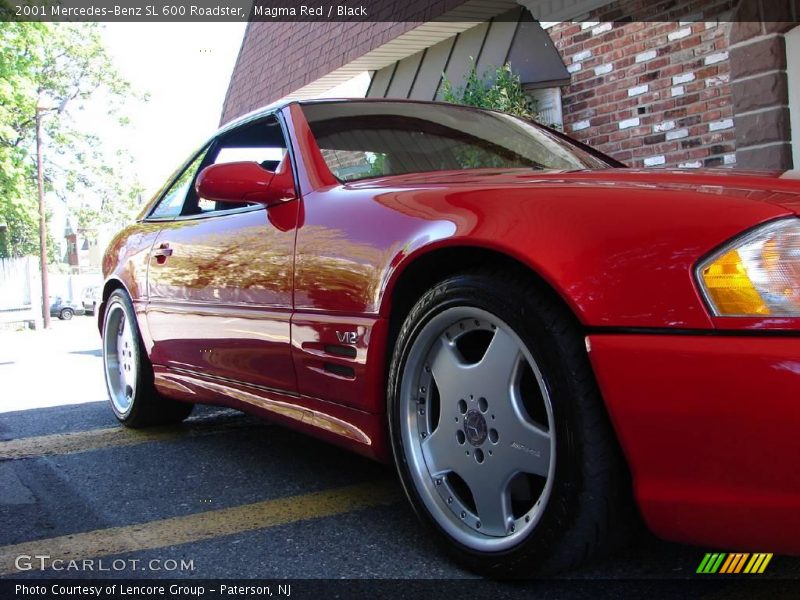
point(543, 341)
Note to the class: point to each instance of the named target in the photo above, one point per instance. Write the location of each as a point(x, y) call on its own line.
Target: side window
point(171, 204)
point(262, 142)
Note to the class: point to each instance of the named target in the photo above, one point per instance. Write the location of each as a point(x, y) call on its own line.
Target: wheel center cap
point(475, 427)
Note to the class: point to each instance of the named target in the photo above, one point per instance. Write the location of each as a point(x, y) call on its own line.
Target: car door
point(220, 275)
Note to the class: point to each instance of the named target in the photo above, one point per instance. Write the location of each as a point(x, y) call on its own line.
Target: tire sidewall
point(481, 292)
point(66, 314)
point(119, 298)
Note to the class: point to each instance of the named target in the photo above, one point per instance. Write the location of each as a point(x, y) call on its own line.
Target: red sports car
point(540, 339)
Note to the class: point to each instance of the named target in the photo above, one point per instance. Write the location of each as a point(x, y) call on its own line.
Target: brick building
point(687, 83)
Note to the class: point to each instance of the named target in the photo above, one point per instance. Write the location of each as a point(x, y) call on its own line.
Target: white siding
point(793, 73)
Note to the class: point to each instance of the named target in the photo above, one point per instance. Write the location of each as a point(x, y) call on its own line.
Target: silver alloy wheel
point(481, 463)
point(119, 358)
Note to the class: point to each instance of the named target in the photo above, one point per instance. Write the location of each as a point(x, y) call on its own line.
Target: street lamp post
point(42, 221)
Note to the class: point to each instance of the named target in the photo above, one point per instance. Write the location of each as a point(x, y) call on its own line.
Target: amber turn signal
point(757, 274)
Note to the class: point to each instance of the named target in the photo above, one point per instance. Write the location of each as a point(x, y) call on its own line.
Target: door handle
point(162, 252)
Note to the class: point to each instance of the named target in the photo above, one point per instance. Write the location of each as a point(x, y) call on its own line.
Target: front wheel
point(129, 374)
point(498, 431)
point(66, 314)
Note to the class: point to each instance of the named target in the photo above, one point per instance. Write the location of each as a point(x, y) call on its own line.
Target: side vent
point(340, 370)
point(345, 351)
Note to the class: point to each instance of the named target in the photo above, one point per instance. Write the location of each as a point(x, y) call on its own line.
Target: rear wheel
point(129, 374)
point(498, 431)
point(66, 314)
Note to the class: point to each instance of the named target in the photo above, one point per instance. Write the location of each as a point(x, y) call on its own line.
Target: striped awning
point(514, 37)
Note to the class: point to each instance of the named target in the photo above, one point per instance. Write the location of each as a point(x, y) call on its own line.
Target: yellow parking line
point(202, 526)
point(94, 439)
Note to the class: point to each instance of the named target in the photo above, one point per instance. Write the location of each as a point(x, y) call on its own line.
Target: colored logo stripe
point(758, 563)
point(721, 562)
point(710, 563)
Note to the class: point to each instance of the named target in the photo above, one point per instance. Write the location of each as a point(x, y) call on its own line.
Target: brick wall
point(653, 94)
point(650, 93)
point(278, 58)
point(759, 84)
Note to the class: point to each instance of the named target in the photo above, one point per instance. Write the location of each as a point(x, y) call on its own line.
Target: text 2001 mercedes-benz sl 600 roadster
point(542, 341)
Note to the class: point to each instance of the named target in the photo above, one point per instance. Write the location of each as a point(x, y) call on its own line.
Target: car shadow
point(98, 353)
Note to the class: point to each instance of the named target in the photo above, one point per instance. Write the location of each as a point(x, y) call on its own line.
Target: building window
point(547, 102)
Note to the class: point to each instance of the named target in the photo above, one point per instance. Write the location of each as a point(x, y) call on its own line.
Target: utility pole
point(42, 221)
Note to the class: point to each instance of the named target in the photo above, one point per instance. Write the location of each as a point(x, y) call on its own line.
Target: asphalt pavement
point(228, 496)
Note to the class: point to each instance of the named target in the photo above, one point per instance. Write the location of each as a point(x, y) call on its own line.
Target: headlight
point(756, 275)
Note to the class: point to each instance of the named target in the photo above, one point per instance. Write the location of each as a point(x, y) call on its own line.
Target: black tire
point(590, 502)
point(66, 314)
point(147, 407)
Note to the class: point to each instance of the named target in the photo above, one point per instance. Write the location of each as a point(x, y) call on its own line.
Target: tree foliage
point(499, 90)
point(60, 68)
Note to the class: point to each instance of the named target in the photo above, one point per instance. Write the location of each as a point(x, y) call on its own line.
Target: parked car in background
point(91, 299)
point(65, 309)
point(541, 340)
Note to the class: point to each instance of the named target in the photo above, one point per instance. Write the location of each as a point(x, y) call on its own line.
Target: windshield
point(373, 139)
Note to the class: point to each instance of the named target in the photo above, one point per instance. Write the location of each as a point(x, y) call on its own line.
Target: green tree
point(498, 90)
point(60, 66)
point(16, 183)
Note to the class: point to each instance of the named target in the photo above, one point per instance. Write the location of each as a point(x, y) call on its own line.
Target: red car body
point(705, 408)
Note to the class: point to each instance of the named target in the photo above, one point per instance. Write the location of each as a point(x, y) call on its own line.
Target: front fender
point(621, 258)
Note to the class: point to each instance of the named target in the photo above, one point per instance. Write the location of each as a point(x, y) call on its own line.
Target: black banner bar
point(421, 11)
point(322, 589)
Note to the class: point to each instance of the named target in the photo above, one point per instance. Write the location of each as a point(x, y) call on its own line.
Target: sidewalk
point(62, 365)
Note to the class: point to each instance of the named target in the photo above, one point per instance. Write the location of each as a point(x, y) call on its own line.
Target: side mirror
point(239, 182)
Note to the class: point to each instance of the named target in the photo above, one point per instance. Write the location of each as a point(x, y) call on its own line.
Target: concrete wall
point(20, 288)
